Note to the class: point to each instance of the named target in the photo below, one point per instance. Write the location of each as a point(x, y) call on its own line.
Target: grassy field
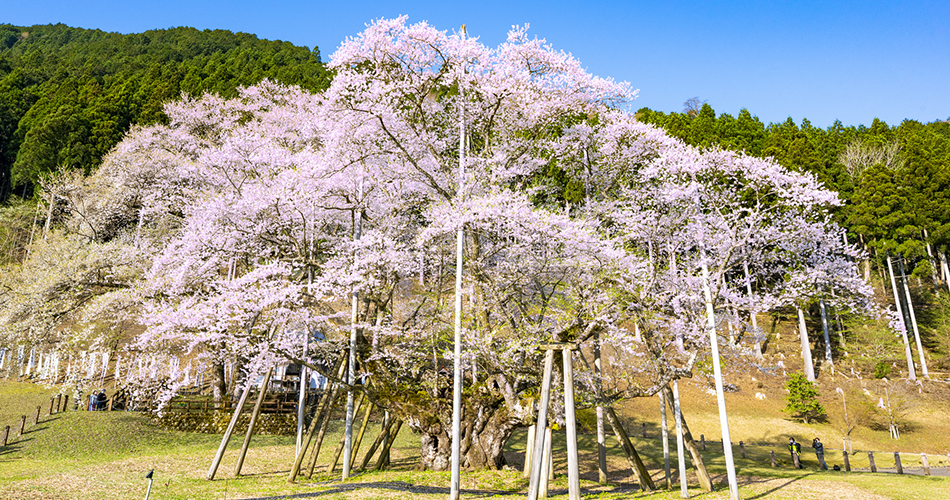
point(106, 456)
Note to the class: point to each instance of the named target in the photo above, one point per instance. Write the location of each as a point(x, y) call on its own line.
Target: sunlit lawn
point(106, 455)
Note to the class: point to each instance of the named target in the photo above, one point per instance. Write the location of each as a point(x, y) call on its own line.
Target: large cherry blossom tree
point(258, 202)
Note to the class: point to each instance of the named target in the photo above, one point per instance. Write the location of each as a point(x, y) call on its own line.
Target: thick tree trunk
point(484, 433)
point(219, 386)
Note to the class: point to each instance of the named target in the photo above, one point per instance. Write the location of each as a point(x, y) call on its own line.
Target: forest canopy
point(68, 95)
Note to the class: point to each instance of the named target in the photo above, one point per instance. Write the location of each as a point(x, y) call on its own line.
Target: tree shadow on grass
point(387, 485)
point(786, 483)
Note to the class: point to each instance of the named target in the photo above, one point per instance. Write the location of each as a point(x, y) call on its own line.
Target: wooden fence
point(859, 461)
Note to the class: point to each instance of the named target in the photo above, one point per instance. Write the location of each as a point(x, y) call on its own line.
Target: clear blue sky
point(851, 61)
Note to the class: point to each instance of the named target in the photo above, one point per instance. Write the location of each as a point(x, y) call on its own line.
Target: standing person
point(820, 453)
point(101, 400)
point(796, 450)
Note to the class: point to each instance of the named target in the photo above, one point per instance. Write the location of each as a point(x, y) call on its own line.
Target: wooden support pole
point(36, 416)
point(324, 425)
point(742, 449)
point(59, 399)
point(847, 462)
point(643, 430)
point(925, 464)
point(227, 434)
point(262, 393)
point(302, 452)
point(528, 451)
point(335, 459)
point(871, 459)
point(51, 400)
point(384, 454)
point(547, 464)
point(383, 432)
point(702, 442)
point(65, 401)
point(636, 464)
point(897, 462)
point(359, 435)
point(534, 483)
point(772, 457)
point(705, 482)
point(6, 435)
point(22, 424)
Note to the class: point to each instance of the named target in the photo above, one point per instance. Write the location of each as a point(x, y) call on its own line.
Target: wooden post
point(698, 463)
point(573, 474)
point(65, 401)
point(227, 434)
point(772, 456)
point(643, 429)
point(529, 449)
point(342, 444)
point(547, 469)
point(534, 484)
point(741, 449)
point(51, 400)
point(36, 417)
point(6, 435)
point(847, 462)
point(302, 452)
point(384, 454)
point(549, 456)
point(59, 399)
point(359, 435)
point(897, 462)
point(871, 459)
point(633, 458)
point(383, 432)
point(702, 442)
point(22, 424)
point(324, 425)
point(925, 464)
point(262, 392)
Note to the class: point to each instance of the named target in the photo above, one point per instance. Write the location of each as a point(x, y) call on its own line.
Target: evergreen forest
point(68, 95)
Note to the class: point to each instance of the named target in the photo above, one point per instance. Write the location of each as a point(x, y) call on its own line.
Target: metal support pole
point(680, 453)
point(573, 475)
point(717, 374)
point(911, 371)
point(665, 436)
point(457, 373)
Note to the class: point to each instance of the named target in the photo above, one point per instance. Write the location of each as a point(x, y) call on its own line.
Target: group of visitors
point(97, 402)
point(796, 449)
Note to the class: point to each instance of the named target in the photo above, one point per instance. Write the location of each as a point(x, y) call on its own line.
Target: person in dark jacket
point(101, 400)
point(820, 453)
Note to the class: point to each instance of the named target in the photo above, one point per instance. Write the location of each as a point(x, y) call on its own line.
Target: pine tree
point(802, 398)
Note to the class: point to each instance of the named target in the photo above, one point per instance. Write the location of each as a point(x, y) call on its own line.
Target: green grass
point(106, 456)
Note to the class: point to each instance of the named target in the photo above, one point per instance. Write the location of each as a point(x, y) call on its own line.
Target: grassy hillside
point(106, 455)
